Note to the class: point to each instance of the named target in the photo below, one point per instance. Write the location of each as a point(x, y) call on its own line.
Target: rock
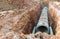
point(55, 17)
point(20, 19)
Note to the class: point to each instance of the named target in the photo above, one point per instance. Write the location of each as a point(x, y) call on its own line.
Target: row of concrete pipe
point(43, 23)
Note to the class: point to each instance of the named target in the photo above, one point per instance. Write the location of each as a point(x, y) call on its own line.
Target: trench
point(31, 26)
